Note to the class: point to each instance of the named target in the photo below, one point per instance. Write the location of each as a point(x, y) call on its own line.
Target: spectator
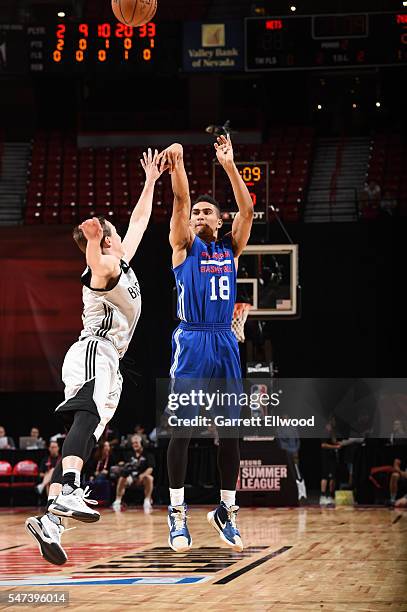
point(397, 443)
point(39, 442)
point(99, 473)
point(112, 435)
point(47, 466)
point(139, 430)
point(137, 471)
point(329, 463)
point(370, 196)
point(398, 477)
point(388, 205)
point(6, 441)
point(102, 462)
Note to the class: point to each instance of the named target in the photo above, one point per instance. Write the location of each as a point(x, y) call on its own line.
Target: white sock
point(177, 496)
point(228, 497)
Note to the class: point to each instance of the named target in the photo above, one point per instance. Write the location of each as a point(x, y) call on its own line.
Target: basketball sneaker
point(179, 538)
point(302, 491)
point(223, 519)
point(74, 505)
point(323, 500)
point(47, 534)
point(147, 506)
point(117, 505)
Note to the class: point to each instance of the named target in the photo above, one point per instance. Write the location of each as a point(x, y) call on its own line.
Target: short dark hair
point(207, 198)
point(80, 239)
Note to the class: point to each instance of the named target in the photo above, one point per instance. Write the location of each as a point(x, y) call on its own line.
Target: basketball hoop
point(240, 314)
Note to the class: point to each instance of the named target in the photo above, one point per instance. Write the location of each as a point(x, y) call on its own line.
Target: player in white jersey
point(93, 383)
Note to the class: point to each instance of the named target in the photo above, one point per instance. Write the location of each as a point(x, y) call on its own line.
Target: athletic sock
point(72, 479)
point(228, 497)
point(177, 496)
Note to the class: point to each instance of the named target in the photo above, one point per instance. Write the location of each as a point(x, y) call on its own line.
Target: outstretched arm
point(242, 223)
point(181, 235)
point(142, 211)
point(103, 267)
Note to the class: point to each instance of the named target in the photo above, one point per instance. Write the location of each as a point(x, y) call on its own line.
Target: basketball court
point(294, 559)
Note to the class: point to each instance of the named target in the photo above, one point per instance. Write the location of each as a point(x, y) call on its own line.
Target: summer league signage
point(213, 46)
point(266, 475)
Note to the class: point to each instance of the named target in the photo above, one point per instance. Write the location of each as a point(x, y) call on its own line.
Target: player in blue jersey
point(204, 347)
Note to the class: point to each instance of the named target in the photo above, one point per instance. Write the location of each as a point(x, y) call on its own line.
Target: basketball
point(134, 12)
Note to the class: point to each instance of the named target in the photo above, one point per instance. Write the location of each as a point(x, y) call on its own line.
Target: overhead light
point(294, 8)
point(61, 14)
point(405, 3)
point(354, 105)
point(378, 104)
point(319, 106)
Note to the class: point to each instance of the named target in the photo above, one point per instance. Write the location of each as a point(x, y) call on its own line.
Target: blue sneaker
point(223, 519)
point(179, 538)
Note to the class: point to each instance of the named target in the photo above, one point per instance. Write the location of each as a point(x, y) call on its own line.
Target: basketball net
point(240, 314)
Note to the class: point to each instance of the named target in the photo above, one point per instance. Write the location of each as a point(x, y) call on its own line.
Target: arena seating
point(388, 168)
point(66, 183)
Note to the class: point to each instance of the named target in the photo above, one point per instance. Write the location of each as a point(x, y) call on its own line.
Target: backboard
point(268, 279)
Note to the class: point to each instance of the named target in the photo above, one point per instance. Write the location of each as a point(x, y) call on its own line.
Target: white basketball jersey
point(112, 314)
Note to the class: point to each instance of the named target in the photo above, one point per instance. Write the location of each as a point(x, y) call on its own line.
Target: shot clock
point(256, 178)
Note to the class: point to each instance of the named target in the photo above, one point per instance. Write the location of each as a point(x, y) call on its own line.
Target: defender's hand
point(92, 230)
point(224, 151)
point(152, 165)
point(172, 156)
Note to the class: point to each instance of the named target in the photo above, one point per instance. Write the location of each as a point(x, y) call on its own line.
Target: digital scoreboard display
point(326, 41)
point(82, 47)
point(256, 177)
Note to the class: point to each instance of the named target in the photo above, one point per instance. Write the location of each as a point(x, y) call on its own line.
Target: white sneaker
point(75, 506)
point(47, 534)
point(323, 500)
point(40, 488)
point(302, 491)
point(147, 506)
point(117, 505)
point(330, 501)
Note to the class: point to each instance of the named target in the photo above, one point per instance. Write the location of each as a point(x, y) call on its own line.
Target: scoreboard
point(81, 47)
point(309, 42)
point(256, 178)
point(72, 47)
point(292, 42)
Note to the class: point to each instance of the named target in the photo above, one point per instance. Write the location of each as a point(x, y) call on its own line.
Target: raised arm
point(103, 267)
point(141, 214)
point(181, 235)
point(243, 221)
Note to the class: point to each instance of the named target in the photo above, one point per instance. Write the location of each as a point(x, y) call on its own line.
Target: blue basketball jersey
point(206, 282)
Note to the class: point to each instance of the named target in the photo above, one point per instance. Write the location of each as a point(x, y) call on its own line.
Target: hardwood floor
point(303, 559)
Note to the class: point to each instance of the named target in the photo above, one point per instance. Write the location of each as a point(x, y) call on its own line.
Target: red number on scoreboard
point(123, 31)
point(61, 28)
point(254, 198)
point(84, 29)
point(104, 30)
